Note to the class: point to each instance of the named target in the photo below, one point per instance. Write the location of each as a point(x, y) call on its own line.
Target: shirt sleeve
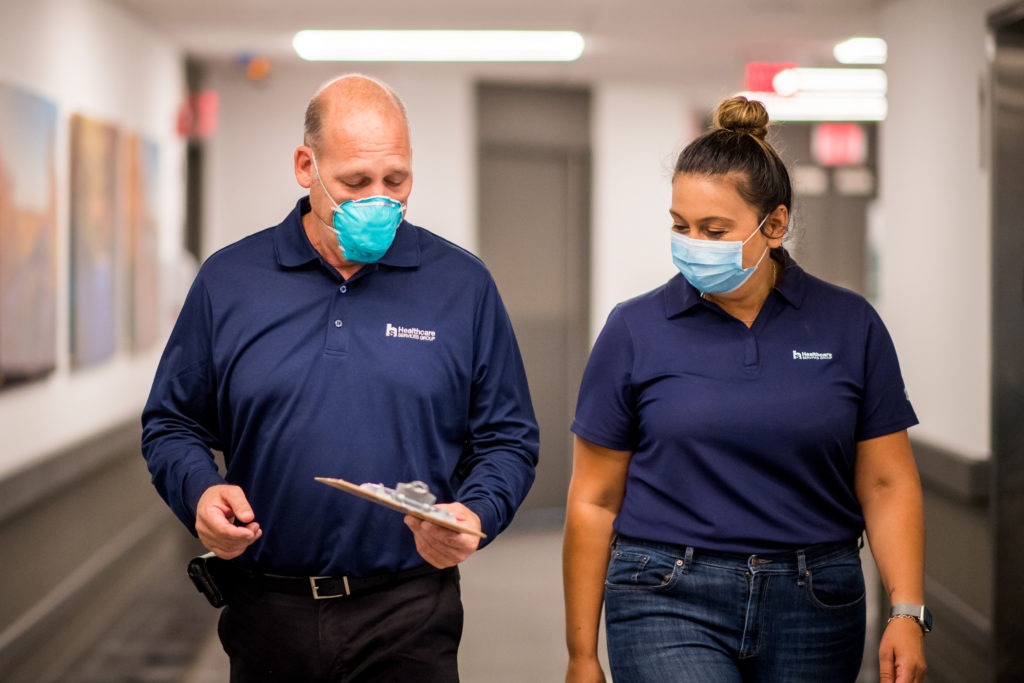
point(179, 423)
point(606, 407)
point(498, 464)
point(885, 404)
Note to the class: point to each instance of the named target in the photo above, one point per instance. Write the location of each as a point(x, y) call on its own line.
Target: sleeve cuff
point(193, 488)
point(488, 515)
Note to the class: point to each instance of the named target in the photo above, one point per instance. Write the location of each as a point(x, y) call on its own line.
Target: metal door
point(534, 175)
point(1007, 93)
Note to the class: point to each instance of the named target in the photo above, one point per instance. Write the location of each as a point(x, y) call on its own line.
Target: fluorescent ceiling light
point(439, 46)
point(861, 50)
point(822, 107)
point(866, 81)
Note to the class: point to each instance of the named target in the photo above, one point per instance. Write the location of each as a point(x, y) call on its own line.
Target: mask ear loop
point(763, 254)
point(766, 249)
point(756, 230)
point(316, 169)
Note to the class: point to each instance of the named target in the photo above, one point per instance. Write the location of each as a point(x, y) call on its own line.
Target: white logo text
point(811, 355)
point(416, 333)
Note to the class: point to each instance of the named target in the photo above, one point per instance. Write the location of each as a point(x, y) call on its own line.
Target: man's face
point(367, 156)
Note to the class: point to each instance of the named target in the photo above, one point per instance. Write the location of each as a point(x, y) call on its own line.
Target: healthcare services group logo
point(399, 332)
point(811, 355)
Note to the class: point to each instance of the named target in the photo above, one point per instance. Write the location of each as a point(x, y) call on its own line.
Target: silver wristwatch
point(918, 613)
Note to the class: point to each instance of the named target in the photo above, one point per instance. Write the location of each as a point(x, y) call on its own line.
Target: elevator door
point(534, 175)
point(1007, 88)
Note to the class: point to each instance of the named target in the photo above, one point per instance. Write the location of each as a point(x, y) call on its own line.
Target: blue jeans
point(683, 614)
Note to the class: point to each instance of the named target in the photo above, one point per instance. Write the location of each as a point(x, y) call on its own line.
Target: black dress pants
point(407, 632)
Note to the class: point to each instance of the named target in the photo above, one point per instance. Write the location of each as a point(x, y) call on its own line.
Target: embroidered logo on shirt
point(811, 355)
point(416, 333)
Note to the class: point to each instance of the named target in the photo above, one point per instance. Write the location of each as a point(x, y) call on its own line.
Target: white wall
point(251, 183)
point(637, 132)
point(89, 58)
point(935, 270)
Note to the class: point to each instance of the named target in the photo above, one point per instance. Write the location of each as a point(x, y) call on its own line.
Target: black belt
point(326, 587)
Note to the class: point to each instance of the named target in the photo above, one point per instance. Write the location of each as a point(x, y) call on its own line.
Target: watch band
point(919, 613)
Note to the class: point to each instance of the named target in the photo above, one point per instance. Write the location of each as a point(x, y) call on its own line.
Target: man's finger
point(238, 504)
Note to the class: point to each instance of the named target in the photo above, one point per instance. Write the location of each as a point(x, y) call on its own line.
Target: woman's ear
point(776, 225)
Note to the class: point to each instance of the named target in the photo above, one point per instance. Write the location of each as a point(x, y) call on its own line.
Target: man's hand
point(901, 652)
point(224, 521)
point(442, 547)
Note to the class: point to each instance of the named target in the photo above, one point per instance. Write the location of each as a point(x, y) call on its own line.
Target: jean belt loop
point(688, 559)
point(801, 567)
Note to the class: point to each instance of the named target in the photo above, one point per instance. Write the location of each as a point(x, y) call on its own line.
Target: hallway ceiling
point(702, 44)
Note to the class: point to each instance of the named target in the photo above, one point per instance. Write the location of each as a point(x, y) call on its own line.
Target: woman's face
point(711, 208)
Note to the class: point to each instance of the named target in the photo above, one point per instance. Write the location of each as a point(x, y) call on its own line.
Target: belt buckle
point(316, 589)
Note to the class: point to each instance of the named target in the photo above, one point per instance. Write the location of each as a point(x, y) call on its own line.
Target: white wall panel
point(934, 269)
point(87, 57)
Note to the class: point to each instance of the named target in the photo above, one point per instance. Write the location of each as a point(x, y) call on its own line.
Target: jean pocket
point(838, 585)
point(632, 568)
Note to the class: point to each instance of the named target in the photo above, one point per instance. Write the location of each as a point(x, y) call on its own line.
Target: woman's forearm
point(588, 532)
point(895, 527)
point(889, 490)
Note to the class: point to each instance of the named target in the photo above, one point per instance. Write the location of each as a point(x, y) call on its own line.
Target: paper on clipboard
point(408, 498)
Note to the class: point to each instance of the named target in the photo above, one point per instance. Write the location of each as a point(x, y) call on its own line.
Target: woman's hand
point(901, 653)
point(584, 670)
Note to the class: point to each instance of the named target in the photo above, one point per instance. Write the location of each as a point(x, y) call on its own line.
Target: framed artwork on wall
point(28, 242)
point(139, 196)
point(94, 214)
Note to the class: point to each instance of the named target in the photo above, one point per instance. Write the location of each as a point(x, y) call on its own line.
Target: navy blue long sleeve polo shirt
point(409, 370)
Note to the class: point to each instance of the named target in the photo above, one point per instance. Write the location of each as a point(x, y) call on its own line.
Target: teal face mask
point(365, 227)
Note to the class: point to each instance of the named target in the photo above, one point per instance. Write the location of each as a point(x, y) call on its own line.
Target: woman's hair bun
point(740, 115)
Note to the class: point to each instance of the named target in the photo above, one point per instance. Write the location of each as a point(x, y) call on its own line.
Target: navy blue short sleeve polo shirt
point(743, 439)
point(407, 371)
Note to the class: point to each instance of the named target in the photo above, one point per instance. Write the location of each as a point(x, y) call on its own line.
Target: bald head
point(352, 99)
point(356, 146)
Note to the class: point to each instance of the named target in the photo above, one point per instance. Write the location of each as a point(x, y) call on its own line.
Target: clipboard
point(380, 495)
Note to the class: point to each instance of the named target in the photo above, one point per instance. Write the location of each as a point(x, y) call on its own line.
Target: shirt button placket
point(750, 352)
point(337, 331)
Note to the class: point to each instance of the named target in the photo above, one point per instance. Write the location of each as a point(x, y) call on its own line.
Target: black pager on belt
point(208, 574)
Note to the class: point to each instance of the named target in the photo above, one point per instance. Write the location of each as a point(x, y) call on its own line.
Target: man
point(344, 342)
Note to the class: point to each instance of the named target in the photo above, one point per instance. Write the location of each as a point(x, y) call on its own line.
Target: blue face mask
point(365, 227)
point(713, 267)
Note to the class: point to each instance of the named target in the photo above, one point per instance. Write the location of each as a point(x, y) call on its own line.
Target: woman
point(737, 431)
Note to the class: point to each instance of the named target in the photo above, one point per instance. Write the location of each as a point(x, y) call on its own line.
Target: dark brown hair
point(737, 144)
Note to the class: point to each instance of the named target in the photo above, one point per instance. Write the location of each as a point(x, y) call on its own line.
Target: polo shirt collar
point(294, 249)
point(681, 296)
point(793, 287)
